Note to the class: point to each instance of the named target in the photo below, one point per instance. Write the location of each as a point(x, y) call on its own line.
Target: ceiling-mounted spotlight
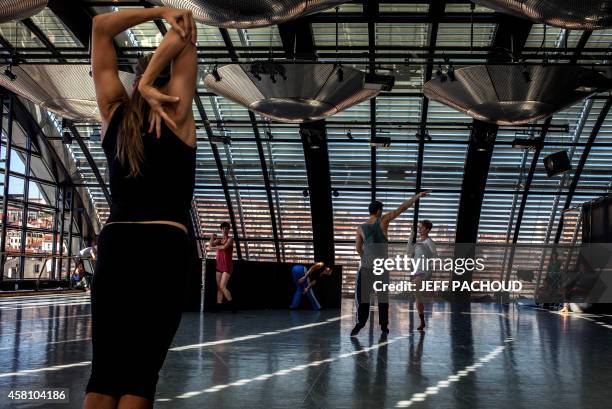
point(313, 138)
point(425, 136)
point(557, 163)
point(335, 193)
point(305, 192)
point(349, 135)
point(221, 139)
point(340, 73)
point(526, 74)
point(95, 135)
point(483, 139)
point(525, 143)
point(378, 82)
point(215, 73)
point(10, 74)
point(441, 74)
point(259, 68)
point(66, 138)
point(451, 73)
point(380, 141)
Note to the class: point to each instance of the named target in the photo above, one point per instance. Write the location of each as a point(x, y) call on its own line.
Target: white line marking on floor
point(433, 390)
point(43, 300)
point(283, 372)
point(44, 305)
point(260, 335)
point(222, 341)
point(45, 369)
point(581, 316)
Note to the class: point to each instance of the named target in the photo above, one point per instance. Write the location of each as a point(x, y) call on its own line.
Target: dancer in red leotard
point(225, 264)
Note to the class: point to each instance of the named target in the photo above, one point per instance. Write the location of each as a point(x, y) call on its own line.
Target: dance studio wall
point(267, 285)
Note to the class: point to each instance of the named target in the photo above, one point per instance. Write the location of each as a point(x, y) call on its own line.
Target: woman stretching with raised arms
point(150, 145)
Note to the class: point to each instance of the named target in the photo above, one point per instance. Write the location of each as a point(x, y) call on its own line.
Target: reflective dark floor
point(483, 356)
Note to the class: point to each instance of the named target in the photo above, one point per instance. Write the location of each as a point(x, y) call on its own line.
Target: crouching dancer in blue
point(304, 281)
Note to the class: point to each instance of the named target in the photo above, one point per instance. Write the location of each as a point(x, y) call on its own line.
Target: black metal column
point(24, 209)
point(319, 182)
point(7, 167)
point(298, 42)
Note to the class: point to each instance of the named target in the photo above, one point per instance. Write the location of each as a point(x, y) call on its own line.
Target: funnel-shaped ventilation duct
point(514, 94)
point(66, 90)
point(572, 14)
point(249, 13)
point(11, 10)
point(295, 92)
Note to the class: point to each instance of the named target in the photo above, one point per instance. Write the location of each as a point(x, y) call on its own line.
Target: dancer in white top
point(424, 248)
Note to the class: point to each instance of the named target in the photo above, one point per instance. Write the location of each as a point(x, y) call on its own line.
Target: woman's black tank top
point(163, 190)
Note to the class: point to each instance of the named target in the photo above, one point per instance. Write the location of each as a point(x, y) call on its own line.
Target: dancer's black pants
point(136, 304)
point(364, 288)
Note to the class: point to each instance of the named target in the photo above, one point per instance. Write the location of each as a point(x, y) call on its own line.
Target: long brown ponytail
point(130, 148)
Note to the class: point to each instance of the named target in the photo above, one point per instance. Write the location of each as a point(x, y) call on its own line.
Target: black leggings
point(136, 304)
point(363, 292)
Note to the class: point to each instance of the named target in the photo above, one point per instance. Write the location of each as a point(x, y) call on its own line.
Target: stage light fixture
point(10, 74)
point(526, 74)
point(215, 74)
point(378, 82)
point(451, 73)
point(335, 193)
point(305, 193)
point(557, 163)
point(95, 135)
point(525, 143)
point(313, 138)
point(440, 74)
point(380, 141)
point(66, 138)
point(221, 139)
